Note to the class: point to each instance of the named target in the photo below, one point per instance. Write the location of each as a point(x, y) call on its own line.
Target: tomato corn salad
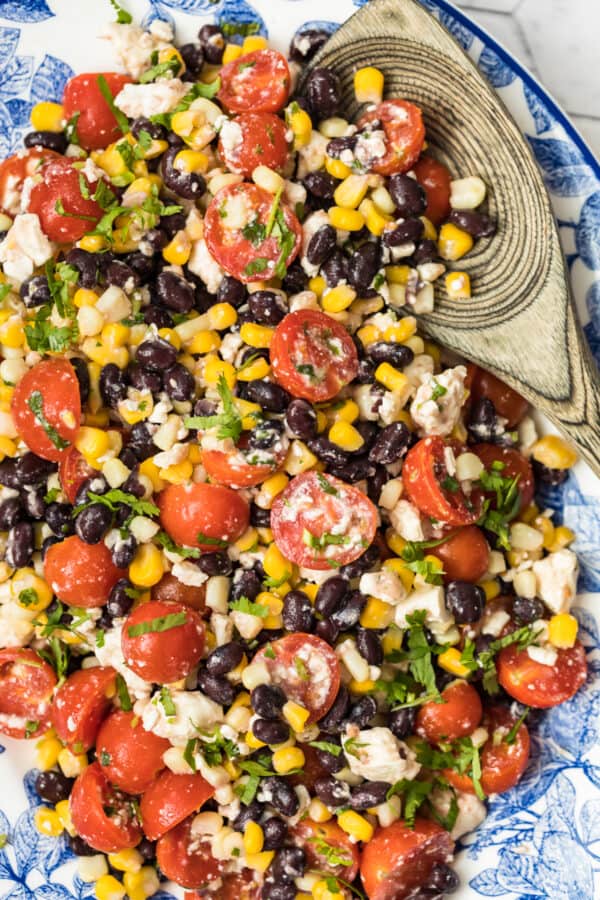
point(276, 599)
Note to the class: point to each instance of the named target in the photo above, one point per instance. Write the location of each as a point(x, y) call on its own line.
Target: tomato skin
point(404, 137)
point(507, 402)
point(422, 484)
point(60, 181)
point(304, 338)
point(540, 686)
point(284, 672)
point(265, 89)
point(57, 383)
point(188, 869)
point(304, 505)
point(171, 590)
point(514, 464)
point(96, 124)
point(90, 795)
point(13, 172)
point(81, 574)
point(170, 799)
point(465, 555)
point(26, 686)
point(80, 705)
point(435, 178)
point(73, 471)
point(135, 754)
point(458, 716)
point(398, 859)
point(307, 832)
point(187, 510)
point(263, 144)
point(163, 656)
point(230, 467)
point(232, 249)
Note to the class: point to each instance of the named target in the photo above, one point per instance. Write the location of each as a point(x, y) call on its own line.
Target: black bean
point(78, 846)
point(33, 501)
point(364, 562)
point(59, 518)
point(193, 57)
point(35, 291)
point(216, 687)
point(92, 522)
point(224, 658)
point(442, 879)
point(331, 595)
point(20, 545)
point(322, 245)
point(553, 477)
point(348, 614)
point(301, 419)
point(86, 264)
point(483, 422)
point(320, 184)
point(260, 518)
point(32, 469)
point(369, 794)
point(245, 584)
point(53, 786)
point(175, 292)
point(295, 280)
point(474, 223)
point(231, 291)
point(465, 601)
point(50, 140)
point(327, 451)
point(391, 445)
point(331, 762)
point(249, 813)
point(282, 794)
point(333, 721)
point(362, 712)
point(338, 145)
point(408, 195)
point(366, 372)
point(354, 470)
point(368, 644)
point(396, 354)
point(363, 266)
point(335, 269)
point(407, 231)
point(289, 863)
point(278, 890)
point(147, 849)
point(323, 93)
point(179, 383)
point(526, 610)
point(327, 631)
point(217, 563)
point(113, 384)
point(122, 275)
point(97, 484)
point(265, 435)
point(157, 239)
point(123, 552)
point(212, 42)
point(269, 395)
point(156, 354)
point(83, 378)
point(270, 731)
point(267, 701)
point(274, 831)
point(298, 612)
point(119, 602)
point(266, 307)
point(306, 42)
point(156, 315)
point(143, 379)
point(189, 185)
point(401, 722)
point(332, 792)
point(157, 132)
point(426, 252)
point(11, 512)
point(140, 441)
point(376, 482)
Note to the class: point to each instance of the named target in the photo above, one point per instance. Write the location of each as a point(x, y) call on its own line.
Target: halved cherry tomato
point(319, 520)
point(234, 467)
point(255, 82)
point(507, 402)
point(398, 859)
point(435, 178)
point(172, 590)
point(14, 171)
point(61, 185)
point(81, 574)
point(514, 463)
point(262, 142)
point(26, 685)
point(170, 799)
point(423, 475)
point(538, 685)
point(130, 756)
point(312, 770)
point(319, 839)
point(80, 705)
point(458, 715)
point(162, 642)
point(234, 886)
point(502, 764)
point(96, 124)
point(256, 255)
point(465, 554)
point(46, 407)
point(312, 355)
point(202, 515)
point(73, 471)
point(187, 860)
point(307, 670)
point(102, 815)
point(404, 133)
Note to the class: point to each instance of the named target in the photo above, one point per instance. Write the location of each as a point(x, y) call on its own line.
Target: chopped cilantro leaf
point(244, 605)
point(158, 625)
point(123, 17)
point(35, 402)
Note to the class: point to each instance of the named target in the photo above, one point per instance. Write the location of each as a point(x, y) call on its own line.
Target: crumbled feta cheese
point(375, 754)
point(147, 100)
point(133, 46)
point(231, 136)
point(556, 577)
point(202, 264)
point(384, 585)
point(471, 810)
point(294, 193)
point(187, 573)
point(418, 370)
point(194, 712)
point(176, 454)
point(546, 656)
point(247, 625)
point(438, 401)
point(24, 248)
point(303, 300)
point(430, 598)
point(237, 212)
point(114, 304)
point(370, 146)
point(406, 521)
point(312, 156)
point(111, 654)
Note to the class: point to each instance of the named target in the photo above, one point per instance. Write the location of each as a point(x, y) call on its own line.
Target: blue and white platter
point(541, 839)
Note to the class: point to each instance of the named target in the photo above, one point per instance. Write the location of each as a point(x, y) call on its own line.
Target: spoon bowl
point(520, 323)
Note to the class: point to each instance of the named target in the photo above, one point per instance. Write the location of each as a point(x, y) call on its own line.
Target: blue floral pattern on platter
point(541, 839)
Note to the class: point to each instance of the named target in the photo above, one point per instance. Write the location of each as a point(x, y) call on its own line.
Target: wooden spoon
point(520, 323)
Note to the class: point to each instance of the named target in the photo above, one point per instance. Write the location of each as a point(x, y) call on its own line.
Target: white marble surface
point(557, 40)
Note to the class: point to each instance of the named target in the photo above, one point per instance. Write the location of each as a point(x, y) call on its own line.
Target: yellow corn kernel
point(320, 891)
point(276, 565)
point(108, 888)
point(168, 54)
point(563, 536)
point(351, 191)
point(254, 837)
point(401, 569)
point(268, 179)
point(12, 334)
point(254, 42)
point(47, 116)
point(178, 250)
point(392, 378)
point(91, 442)
point(530, 513)
point(458, 285)
point(129, 860)
point(115, 334)
point(562, 631)
point(248, 540)
point(30, 591)
point(338, 298)
point(195, 454)
point(544, 524)
point(337, 168)
point(322, 421)
point(346, 436)
point(242, 699)
point(258, 368)
point(111, 161)
point(355, 825)
point(178, 473)
point(141, 885)
point(491, 588)
point(367, 307)
point(295, 715)
point(183, 123)
point(318, 812)
point(102, 354)
point(170, 335)
point(7, 447)
point(139, 186)
point(375, 221)
point(300, 123)
point(554, 452)
point(253, 742)
point(231, 52)
point(260, 862)
point(392, 640)
point(47, 822)
point(71, 764)
point(349, 412)
point(204, 342)
point(395, 542)
point(368, 85)
point(92, 243)
point(346, 219)
point(317, 285)
point(149, 468)
point(397, 274)
point(63, 811)
point(286, 759)
point(376, 614)
point(429, 230)
point(449, 660)
point(83, 297)
point(214, 368)
point(147, 567)
point(191, 161)
point(368, 334)
point(258, 336)
point(137, 407)
point(310, 590)
point(46, 751)
point(402, 330)
point(453, 242)
point(222, 316)
point(362, 687)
